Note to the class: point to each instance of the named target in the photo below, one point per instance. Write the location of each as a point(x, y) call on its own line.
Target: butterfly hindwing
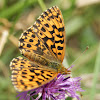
point(19, 62)
point(26, 75)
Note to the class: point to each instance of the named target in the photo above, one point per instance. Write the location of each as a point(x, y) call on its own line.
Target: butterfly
point(43, 48)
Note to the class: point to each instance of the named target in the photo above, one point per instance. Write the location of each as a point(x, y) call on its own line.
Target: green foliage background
point(82, 24)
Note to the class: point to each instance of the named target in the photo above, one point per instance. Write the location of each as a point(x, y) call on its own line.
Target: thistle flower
point(60, 88)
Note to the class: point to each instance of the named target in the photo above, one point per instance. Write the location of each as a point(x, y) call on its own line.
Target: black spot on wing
point(21, 81)
point(52, 17)
point(32, 77)
point(54, 26)
point(49, 75)
point(46, 25)
point(28, 45)
point(42, 16)
point(29, 30)
point(37, 74)
point(30, 40)
point(43, 29)
point(48, 19)
point(59, 53)
point(49, 10)
point(52, 31)
point(60, 36)
point(35, 26)
point(33, 35)
point(14, 61)
point(52, 46)
point(38, 21)
point(46, 13)
point(24, 73)
point(46, 38)
point(39, 83)
point(42, 71)
point(60, 41)
point(25, 87)
point(24, 76)
point(41, 33)
point(61, 29)
point(21, 40)
point(44, 76)
point(32, 70)
point(57, 15)
point(60, 48)
point(23, 62)
point(25, 34)
point(38, 43)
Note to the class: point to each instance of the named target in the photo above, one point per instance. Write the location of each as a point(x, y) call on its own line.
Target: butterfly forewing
point(55, 21)
point(46, 37)
point(31, 46)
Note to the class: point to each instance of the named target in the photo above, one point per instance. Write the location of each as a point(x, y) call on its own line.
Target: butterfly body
point(43, 45)
point(46, 62)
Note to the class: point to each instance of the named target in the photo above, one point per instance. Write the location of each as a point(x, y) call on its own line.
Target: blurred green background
point(82, 24)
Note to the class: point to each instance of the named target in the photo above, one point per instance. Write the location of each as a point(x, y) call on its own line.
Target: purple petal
point(57, 89)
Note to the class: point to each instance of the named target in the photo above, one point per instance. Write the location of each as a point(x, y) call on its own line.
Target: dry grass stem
point(5, 22)
point(14, 40)
point(3, 39)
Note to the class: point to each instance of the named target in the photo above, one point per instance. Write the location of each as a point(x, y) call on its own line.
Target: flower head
point(60, 88)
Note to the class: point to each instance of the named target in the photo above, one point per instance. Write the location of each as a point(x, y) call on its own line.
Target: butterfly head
point(64, 70)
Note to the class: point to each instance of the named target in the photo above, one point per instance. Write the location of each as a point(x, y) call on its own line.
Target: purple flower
point(60, 88)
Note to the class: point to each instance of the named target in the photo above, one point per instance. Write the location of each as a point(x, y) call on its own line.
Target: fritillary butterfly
point(44, 45)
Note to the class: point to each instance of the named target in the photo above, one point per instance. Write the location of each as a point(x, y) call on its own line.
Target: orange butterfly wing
point(28, 75)
point(46, 38)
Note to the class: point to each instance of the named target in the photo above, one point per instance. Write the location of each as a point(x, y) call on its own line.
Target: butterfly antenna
point(81, 54)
